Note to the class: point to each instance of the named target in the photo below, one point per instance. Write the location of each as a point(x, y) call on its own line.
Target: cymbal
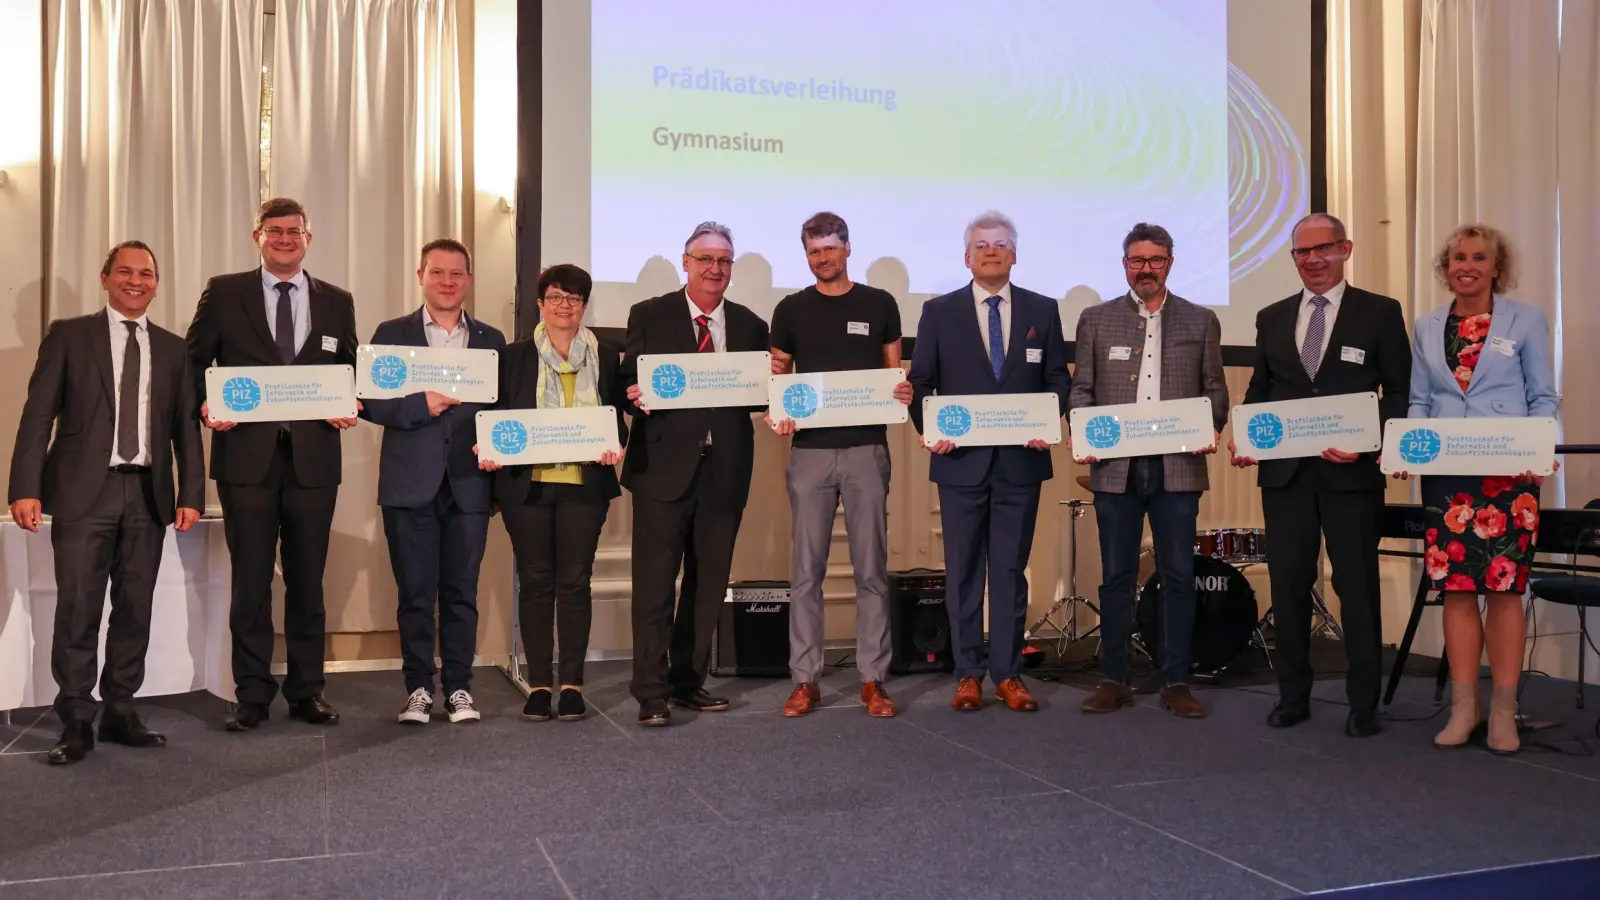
point(1083, 482)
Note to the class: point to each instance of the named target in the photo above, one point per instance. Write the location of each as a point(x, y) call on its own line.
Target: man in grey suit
point(119, 393)
point(1145, 346)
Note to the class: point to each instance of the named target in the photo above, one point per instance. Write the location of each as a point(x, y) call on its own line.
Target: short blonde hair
point(1505, 255)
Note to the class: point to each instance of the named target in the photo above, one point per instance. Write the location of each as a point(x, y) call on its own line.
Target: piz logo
point(1265, 431)
point(509, 437)
point(1102, 432)
point(389, 372)
point(800, 401)
point(954, 420)
point(241, 394)
point(669, 382)
point(1420, 445)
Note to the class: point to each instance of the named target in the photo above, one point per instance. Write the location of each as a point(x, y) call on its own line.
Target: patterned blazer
point(1191, 366)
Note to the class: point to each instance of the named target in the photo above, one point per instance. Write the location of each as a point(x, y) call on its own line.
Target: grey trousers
point(818, 479)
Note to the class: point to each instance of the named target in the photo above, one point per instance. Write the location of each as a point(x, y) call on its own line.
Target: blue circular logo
point(241, 394)
point(508, 437)
point(800, 400)
point(669, 382)
point(955, 420)
point(1420, 445)
point(1265, 431)
point(389, 372)
point(1103, 432)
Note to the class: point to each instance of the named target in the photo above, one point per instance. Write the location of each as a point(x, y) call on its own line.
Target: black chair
point(1572, 589)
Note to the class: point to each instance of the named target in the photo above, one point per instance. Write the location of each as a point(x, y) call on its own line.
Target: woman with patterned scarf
point(554, 513)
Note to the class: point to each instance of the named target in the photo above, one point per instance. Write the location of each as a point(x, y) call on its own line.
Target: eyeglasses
point(276, 232)
point(1155, 263)
point(1330, 250)
point(998, 245)
point(715, 262)
point(567, 300)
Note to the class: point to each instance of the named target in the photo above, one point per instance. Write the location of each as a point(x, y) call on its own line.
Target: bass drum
point(1225, 617)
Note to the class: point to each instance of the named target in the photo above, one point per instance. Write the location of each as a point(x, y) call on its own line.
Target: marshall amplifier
point(919, 627)
point(752, 636)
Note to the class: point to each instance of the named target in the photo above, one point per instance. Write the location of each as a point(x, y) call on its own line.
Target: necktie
point(128, 404)
point(285, 324)
point(1311, 348)
point(997, 338)
point(703, 335)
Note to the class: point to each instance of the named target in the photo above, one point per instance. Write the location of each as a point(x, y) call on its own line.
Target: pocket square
point(1031, 334)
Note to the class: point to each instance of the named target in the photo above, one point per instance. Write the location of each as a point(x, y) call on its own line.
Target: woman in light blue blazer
point(1481, 355)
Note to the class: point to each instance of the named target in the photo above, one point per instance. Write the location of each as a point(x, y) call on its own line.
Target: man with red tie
point(689, 472)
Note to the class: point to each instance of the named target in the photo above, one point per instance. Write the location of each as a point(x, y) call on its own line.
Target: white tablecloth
point(189, 638)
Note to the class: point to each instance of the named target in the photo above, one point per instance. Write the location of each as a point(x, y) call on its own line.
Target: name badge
point(1121, 353)
point(330, 343)
point(1035, 354)
point(1353, 355)
point(856, 328)
point(1503, 346)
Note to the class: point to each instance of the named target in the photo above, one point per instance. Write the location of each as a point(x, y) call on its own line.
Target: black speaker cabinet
point(752, 637)
point(919, 627)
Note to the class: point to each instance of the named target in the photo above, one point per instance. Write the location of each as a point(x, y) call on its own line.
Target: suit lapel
point(319, 320)
point(100, 342)
point(1019, 328)
point(255, 309)
point(415, 330)
point(1433, 345)
point(684, 326)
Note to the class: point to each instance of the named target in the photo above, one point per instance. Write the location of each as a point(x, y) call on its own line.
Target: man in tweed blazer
point(1145, 346)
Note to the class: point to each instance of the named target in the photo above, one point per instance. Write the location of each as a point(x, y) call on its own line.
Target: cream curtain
point(367, 132)
point(155, 135)
point(1577, 143)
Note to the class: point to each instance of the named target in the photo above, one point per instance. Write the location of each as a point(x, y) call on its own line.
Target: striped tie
point(703, 329)
point(1311, 348)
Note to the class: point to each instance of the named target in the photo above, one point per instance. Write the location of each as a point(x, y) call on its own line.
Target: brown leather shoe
point(876, 700)
point(1108, 697)
point(1180, 701)
point(803, 700)
point(1014, 694)
point(969, 695)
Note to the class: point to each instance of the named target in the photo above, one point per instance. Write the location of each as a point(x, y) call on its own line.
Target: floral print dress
point(1480, 530)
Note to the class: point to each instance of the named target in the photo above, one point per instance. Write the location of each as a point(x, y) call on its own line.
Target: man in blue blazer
point(436, 502)
point(989, 337)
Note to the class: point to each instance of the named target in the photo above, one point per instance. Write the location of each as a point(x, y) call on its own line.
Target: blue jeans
point(1121, 519)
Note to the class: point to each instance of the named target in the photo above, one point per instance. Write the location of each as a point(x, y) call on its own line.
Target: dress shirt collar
point(715, 315)
point(270, 282)
point(1333, 296)
point(981, 296)
point(116, 319)
point(428, 322)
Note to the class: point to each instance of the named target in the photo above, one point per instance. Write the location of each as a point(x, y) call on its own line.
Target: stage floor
point(747, 804)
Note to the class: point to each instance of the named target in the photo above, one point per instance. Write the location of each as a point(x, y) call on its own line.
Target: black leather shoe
point(77, 739)
point(129, 731)
point(1362, 724)
point(315, 710)
point(245, 716)
point(1288, 715)
point(654, 713)
point(699, 700)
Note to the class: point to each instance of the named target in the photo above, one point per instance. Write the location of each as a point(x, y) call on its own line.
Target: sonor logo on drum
point(1210, 583)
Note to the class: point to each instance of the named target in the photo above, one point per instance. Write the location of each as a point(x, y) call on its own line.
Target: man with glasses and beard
point(278, 481)
point(1146, 346)
point(689, 473)
point(837, 325)
point(1328, 338)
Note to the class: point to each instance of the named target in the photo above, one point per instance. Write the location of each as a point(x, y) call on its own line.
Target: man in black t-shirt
point(837, 326)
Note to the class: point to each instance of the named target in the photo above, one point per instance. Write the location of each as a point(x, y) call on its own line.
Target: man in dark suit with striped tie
point(1328, 338)
point(118, 391)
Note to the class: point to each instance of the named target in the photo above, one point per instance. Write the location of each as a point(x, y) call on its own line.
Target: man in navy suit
point(989, 337)
point(435, 500)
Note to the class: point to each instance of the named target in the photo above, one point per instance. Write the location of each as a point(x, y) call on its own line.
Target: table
point(190, 647)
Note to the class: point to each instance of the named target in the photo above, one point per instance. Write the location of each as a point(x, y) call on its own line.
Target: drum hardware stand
point(1060, 622)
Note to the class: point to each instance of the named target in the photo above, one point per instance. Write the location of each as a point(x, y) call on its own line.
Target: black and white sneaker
point(461, 709)
point(419, 706)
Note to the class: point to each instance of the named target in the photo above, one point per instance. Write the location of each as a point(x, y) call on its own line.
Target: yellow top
point(562, 473)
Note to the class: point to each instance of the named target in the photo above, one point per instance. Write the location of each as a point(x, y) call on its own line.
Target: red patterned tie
point(703, 330)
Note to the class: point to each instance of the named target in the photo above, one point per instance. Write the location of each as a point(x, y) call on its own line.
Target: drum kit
point(1226, 621)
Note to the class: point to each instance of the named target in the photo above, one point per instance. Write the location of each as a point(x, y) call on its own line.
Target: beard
point(1146, 287)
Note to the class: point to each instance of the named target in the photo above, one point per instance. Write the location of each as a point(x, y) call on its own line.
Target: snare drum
point(1232, 544)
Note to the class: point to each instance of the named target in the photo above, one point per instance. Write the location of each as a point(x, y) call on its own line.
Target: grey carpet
point(749, 804)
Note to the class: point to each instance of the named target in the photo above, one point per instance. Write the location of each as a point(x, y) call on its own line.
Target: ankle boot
point(1464, 716)
point(1503, 737)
